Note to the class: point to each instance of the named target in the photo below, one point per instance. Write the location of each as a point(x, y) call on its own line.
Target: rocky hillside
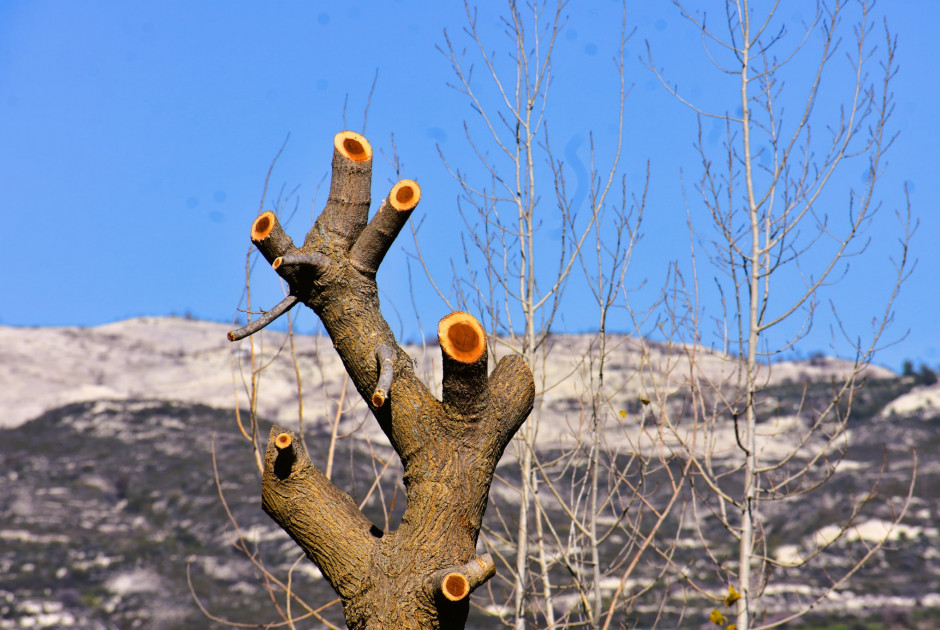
point(119, 443)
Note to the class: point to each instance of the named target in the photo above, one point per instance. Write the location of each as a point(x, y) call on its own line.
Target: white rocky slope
point(921, 401)
point(150, 358)
point(192, 361)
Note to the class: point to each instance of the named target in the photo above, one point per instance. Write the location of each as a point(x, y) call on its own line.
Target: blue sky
point(136, 138)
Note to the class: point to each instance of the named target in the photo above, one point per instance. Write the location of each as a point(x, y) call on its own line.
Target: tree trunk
point(419, 576)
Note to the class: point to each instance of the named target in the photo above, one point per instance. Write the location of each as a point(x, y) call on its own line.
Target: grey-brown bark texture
point(420, 575)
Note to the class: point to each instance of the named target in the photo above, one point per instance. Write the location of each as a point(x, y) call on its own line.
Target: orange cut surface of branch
point(455, 587)
point(405, 195)
point(262, 226)
point(283, 441)
point(352, 146)
point(462, 337)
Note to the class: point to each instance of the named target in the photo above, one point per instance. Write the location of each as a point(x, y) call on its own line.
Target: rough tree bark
point(420, 575)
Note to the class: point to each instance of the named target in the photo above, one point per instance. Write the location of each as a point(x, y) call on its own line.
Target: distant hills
point(109, 498)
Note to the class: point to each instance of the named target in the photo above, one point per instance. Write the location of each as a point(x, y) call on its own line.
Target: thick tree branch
point(511, 395)
point(463, 349)
point(322, 519)
point(370, 249)
point(269, 237)
point(318, 262)
point(347, 208)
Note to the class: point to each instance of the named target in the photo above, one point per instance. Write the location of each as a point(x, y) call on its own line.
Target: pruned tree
point(421, 574)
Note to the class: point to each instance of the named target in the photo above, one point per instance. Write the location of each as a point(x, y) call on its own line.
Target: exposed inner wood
point(262, 226)
point(405, 195)
point(455, 587)
point(353, 146)
point(462, 337)
point(283, 441)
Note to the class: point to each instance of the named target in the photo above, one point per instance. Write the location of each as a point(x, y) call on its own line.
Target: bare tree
point(519, 311)
point(581, 499)
point(421, 574)
point(772, 234)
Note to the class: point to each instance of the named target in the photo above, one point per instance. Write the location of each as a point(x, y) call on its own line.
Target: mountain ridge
point(191, 361)
point(109, 437)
